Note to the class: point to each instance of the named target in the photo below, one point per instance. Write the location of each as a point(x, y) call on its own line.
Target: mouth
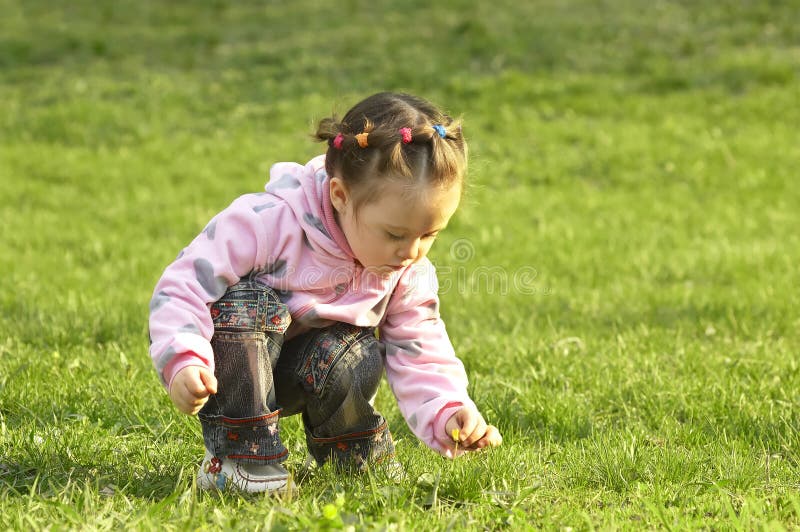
point(388, 268)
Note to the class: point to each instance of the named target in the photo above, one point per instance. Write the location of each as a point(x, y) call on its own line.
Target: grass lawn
point(621, 281)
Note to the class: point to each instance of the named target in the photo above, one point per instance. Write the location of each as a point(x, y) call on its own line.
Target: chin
point(384, 269)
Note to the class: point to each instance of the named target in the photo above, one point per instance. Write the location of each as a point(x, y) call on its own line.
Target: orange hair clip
point(362, 139)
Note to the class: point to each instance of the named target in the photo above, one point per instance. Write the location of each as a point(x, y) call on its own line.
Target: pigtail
point(327, 129)
point(394, 135)
point(449, 143)
point(422, 134)
point(397, 155)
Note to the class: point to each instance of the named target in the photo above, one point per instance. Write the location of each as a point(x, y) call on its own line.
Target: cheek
point(425, 247)
point(372, 243)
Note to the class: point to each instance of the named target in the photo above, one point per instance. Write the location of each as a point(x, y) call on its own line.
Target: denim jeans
point(327, 375)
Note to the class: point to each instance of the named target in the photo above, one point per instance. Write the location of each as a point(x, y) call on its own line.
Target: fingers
point(195, 406)
point(466, 427)
point(491, 438)
point(473, 432)
point(471, 426)
point(186, 401)
point(196, 386)
point(209, 381)
point(193, 399)
point(190, 389)
point(473, 429)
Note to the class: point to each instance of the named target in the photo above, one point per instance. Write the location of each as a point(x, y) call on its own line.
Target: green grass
point(626, 306)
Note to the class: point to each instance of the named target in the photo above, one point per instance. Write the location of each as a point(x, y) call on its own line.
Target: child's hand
point(191, 387)
point(472, 431)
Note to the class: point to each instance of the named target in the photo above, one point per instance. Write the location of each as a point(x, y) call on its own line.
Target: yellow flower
point(455, 433)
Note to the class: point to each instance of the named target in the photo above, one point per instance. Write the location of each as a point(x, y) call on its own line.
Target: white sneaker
point(218, 474)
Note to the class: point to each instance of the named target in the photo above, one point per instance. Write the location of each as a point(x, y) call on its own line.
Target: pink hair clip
point(406, 133)
point(337, 141)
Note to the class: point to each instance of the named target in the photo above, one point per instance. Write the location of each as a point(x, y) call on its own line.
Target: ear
point(340, 196)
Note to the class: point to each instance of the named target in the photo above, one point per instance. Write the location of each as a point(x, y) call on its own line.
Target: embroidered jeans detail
point(322, 352)
point(253, 439)
point(355, 451)
point(236, 315)
point(337, 373)
point(241, 419)
point(328, 375)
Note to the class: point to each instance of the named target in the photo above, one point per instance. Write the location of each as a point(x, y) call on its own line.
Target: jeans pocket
point(250, 306)
point(235, 314)
point(276, 316)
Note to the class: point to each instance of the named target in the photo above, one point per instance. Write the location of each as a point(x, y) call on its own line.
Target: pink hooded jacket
point(289, 237)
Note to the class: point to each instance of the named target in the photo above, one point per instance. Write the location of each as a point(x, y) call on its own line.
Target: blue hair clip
point(440, 130)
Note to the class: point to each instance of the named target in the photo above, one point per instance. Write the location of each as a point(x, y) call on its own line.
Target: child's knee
point(341, 359)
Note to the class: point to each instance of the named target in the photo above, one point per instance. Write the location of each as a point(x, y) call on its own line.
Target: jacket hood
point(306, 190)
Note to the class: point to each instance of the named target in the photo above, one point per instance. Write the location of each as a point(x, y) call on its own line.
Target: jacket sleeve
point(234, 243)
point(425, 375)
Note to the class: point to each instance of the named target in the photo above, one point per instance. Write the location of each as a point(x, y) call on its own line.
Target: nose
point(409, 251)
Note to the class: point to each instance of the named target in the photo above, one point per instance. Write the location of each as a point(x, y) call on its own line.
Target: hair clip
point(337, 141)
point(362, 139)
point(406, 133)
point(440, 130)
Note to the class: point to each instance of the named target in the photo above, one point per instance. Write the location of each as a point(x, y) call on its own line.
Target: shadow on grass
point(21, 480)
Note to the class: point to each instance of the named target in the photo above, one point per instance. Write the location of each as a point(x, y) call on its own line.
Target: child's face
point(399, 227)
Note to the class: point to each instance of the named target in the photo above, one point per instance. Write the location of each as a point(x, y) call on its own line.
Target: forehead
point(413, 207)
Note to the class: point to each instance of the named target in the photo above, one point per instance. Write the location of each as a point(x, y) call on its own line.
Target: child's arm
point(425, 375)
point(237, 241)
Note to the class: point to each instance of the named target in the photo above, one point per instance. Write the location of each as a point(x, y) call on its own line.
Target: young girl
point(272, 310)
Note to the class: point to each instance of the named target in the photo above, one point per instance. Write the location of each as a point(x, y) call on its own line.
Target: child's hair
point(389, 136)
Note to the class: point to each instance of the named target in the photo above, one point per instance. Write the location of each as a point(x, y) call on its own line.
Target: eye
point(430, 236)
point(393, 236)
